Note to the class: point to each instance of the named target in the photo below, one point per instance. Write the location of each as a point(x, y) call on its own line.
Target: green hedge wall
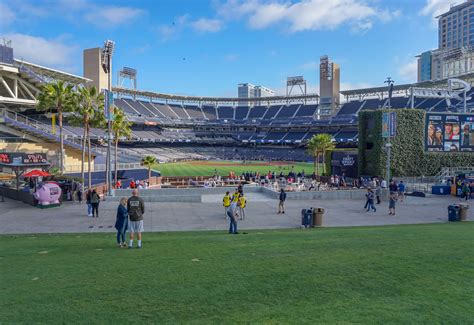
point(408, 153)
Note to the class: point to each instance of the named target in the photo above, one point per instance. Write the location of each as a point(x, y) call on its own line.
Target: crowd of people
point(374, 191)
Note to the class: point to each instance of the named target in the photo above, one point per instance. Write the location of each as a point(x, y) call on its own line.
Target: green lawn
point(394, 274)
point(224, 167)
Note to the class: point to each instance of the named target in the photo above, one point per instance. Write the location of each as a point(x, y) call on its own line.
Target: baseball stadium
point(89, 162)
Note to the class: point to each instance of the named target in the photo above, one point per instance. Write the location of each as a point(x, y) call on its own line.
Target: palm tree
point(149, 161)
point(327, 144)
point(89, 113)
point(318, 145)
point(120, 129)
point(60, 96)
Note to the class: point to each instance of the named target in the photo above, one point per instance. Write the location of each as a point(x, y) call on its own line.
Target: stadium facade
point(173, 127)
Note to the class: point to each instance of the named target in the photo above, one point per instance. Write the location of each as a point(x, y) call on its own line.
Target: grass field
point(394, 274)
point(206, 168)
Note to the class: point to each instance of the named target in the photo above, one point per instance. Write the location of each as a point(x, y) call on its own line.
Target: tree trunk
point(324, 162)
point(317, 164)
point(115, 160)
point(89, 157)
point(83, 156)
point(149, 172)
point(61, 140)
point(314, 165)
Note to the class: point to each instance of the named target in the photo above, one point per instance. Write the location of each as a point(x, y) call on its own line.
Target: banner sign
point(389, 124)
point(23, 158)
point(344, 162)
point(385, 125)
point(393, 124)
point(449, 132)
point(108, 104)
point(53, 123)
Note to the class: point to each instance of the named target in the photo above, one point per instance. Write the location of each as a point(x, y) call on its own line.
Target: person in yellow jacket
point(226, 203)
point(242, 204)
point(235, 200)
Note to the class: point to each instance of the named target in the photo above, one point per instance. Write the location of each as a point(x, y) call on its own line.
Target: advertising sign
point(385, 125)
point(449, 132)
point(393, 124)
point(344, 162)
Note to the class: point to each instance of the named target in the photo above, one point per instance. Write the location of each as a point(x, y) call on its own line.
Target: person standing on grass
point(136, 209)
point(95, 200)
point(226, 203)
point(242, 205)
point(391, 204)
point(281, 204)
point(121, 223)
point(401, 191)
point(231, 213)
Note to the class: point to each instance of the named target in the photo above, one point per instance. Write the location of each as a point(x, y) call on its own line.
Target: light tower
point(107, 52)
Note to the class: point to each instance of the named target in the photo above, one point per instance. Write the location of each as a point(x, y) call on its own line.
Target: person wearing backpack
point(95, 199)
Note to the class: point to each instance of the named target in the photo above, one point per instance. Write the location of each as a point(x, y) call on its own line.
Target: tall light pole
point(107, 52)
point(388, 145)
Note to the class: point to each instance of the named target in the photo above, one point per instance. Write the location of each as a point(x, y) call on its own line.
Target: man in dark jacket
point(136, 209)
point(281, 205)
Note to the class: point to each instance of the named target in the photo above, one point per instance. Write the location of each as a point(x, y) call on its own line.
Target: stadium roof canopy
point(48, 74)
point(181, 98)
point(404, 88)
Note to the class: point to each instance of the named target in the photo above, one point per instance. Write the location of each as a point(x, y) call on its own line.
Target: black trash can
point(453, 212)
point(306, 216)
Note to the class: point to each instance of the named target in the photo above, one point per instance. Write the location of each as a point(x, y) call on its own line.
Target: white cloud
point(111, 16)
point(306, 14)
point(207, 25)
point(48, 52)
point(433, 8)
point(7, 15)
point(408, 71)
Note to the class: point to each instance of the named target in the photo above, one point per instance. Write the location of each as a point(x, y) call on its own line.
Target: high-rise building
point(456, 27)
point(248, 90)
point(455, 54)
point(261, 91)
point(329, 84)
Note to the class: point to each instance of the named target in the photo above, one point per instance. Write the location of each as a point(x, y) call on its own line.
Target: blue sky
point(206, 48)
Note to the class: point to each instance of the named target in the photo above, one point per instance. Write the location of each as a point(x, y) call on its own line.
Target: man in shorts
point(136, 209)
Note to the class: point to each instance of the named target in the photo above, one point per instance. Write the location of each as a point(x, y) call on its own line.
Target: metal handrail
point(102, 167)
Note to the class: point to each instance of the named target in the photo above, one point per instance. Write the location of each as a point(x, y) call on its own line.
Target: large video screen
point(449, 132)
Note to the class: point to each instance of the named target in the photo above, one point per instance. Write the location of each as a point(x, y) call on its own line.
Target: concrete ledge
point(195, 194)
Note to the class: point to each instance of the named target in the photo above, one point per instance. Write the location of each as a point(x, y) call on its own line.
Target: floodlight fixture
point(107, 52)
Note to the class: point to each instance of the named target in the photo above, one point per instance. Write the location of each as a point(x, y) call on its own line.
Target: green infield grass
point(208, 168)
point(366, 275)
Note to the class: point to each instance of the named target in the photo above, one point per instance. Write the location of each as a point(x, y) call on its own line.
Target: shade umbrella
point(36, 173)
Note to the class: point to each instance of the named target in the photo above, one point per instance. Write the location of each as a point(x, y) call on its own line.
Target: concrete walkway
point(19, 218)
